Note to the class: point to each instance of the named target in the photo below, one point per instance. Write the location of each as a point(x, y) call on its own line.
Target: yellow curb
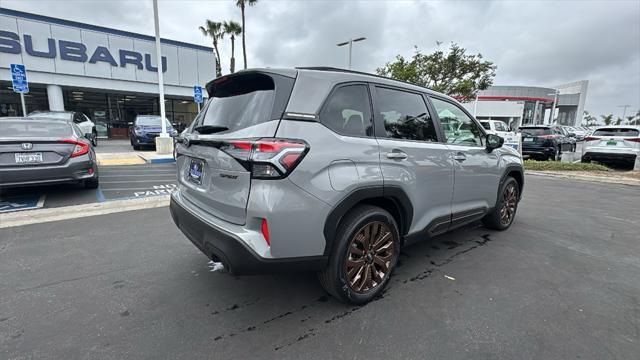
point(126, 161)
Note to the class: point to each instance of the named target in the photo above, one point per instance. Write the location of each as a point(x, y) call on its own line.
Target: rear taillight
point(549, 136)
point(634, 140)
point(80, 148)
point(265, 231)
point(268, 158)
point(591, 138)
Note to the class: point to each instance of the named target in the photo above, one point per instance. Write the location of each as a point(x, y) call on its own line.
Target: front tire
point(502, 215)
point(364, 255)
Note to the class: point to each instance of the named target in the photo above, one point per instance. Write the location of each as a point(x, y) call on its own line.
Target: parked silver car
point(620, 143)
point(334, 171)
point(45, 151)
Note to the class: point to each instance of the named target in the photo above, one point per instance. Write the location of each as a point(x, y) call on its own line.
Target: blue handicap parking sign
point(19, 78)
point(20, 202)
point(197, 94)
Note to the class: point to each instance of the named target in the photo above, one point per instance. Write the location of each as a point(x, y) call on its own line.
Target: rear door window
point(31, 128)
point(537, 131)
point(617, 132)
point(348, 111)
point(245, 100)
point(405, 115)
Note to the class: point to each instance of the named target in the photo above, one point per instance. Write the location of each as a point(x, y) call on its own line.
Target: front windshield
point(151, 121)
point(52, 115)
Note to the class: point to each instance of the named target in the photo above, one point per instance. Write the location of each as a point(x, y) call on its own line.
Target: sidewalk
point(120, 152)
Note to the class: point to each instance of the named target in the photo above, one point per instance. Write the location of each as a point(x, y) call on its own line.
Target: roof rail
point(328, 68)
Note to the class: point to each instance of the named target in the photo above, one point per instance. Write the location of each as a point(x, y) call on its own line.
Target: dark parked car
point(85, 124)
point(45, 151)
point(146, 129)
point(544, 142)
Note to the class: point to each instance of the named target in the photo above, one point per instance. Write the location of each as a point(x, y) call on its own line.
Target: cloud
point(536, 43)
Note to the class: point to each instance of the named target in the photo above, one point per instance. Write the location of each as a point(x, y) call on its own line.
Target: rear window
point(150, 121)
point(52, 115)
point(241, 101)
point(617, 132)
point(536, 131)
point(27, 129)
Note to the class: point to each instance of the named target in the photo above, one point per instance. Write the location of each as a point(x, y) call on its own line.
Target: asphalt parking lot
point(562, 283)
point(116, 183)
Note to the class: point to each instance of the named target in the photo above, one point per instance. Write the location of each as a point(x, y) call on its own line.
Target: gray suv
point(334, 171)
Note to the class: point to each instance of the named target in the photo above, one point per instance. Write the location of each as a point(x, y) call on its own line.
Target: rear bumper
point(609, 156)
point(538, 151)
point(221, 245)
point(73, 171)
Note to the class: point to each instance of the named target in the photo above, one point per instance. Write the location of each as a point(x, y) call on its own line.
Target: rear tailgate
point(245, 105)
point(615, 139)
point(33, 152)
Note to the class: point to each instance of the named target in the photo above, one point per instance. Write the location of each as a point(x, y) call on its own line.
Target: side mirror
point(494, 142)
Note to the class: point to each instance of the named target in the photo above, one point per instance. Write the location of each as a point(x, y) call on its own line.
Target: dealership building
point(110, 75)
point(528, 105)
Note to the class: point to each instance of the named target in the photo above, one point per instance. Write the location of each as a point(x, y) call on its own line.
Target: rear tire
point(136, 147)
point(94, 140)
point(366, 249)
point(502, 215)
point(584, 160)
point(91, 183)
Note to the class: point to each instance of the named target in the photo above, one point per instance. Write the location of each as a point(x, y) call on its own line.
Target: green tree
point(215, 31)
point(242, 4)
point(232, 28)
point(452, 71)
point(607, 119)
point(619, 121)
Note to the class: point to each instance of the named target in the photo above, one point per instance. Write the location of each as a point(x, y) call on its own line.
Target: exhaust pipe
point(215, 266)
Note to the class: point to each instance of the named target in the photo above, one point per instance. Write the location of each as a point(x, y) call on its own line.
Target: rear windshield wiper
point(210, 129)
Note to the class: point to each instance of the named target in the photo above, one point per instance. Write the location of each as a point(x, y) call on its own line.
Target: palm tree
point(214, 30)
point(607, 119)
point(232, 28)
point(242, 4)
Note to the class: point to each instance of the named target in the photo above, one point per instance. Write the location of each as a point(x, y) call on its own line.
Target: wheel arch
point(515, 171)
point(390, 198)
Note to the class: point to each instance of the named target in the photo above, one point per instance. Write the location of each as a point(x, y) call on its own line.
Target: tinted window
point(52, 115)
point(33, 128)
point(535, 131)
point(241, 101)
point(485, 125)
point(348, 111)
point(457, 126)
point(405, 115)
point(616, 132)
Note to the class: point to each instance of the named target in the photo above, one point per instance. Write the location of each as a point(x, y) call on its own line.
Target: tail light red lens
point(265, 231)
point(591, 138)
point(549, 136)
point(634, 140)
point(80, 148)
point(268, 158)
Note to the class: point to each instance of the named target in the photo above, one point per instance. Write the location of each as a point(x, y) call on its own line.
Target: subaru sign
point(197, 94)
point(19, 78)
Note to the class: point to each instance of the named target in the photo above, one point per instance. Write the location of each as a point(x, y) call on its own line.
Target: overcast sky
point(534, 43)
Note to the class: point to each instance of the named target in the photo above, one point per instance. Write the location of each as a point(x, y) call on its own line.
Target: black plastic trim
point(227, 248)
point(393, 193)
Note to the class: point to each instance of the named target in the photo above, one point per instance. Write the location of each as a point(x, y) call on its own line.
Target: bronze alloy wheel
point(369, 257)
point(509, 202)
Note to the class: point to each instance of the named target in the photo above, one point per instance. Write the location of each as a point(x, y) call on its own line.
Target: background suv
point(85, 124)
point(334, 171)
point(146, 128)
point(613, 144)
point(545, 142)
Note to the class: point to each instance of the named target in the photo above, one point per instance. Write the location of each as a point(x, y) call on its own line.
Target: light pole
point(553, 108)
point(350, 43)
point(164, 144)
point(624, 112)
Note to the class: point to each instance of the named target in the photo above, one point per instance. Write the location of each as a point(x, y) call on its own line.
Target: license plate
point(612, 143)
point(28, 158)
point(195, 171)
point(527, 139)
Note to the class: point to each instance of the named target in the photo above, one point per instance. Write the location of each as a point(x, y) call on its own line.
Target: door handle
point(397, 155)
point(460, 157)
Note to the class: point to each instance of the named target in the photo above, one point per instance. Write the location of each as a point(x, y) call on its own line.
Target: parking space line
point(135, 181)
point(137, 175)
point(126, 189)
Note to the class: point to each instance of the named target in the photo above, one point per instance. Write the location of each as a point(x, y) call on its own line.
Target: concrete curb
point(612, 179)
point(38, 216)
point(153, 158)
